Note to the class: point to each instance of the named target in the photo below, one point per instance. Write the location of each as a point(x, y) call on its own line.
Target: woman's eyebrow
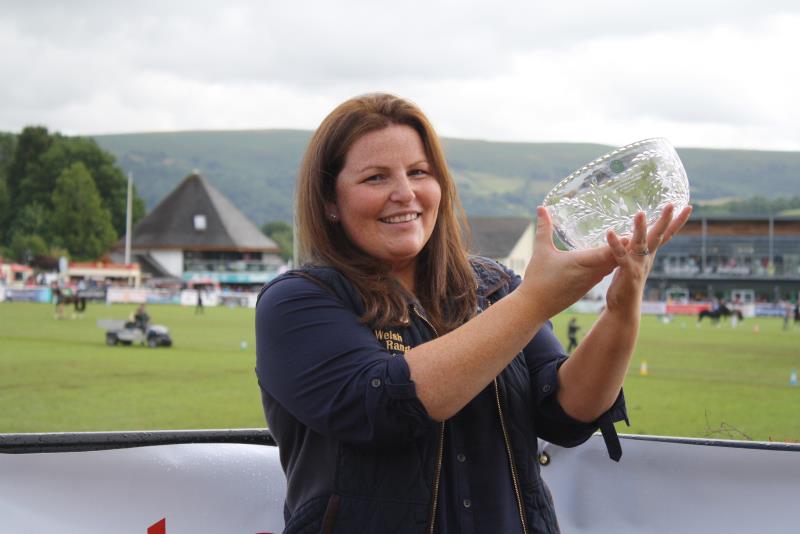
point(385, 168)
point(375, 167)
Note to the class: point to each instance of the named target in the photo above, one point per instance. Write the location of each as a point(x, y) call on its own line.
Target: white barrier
point(659, 486)
point(194, 488)
point(127, 295)
point(588, 306)
point(189, 297)
point(654, 307)
point(675, 486)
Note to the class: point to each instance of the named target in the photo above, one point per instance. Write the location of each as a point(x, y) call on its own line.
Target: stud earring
point(334, 217)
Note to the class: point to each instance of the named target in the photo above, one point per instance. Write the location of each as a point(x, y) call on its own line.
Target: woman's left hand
point(635, 256)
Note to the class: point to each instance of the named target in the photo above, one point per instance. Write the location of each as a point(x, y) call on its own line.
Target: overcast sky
point(702, 73)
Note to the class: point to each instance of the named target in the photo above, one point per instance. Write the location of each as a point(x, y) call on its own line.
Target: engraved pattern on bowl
point(606, 193)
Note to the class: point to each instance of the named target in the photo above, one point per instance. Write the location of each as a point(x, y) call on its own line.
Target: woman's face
point(387, 200)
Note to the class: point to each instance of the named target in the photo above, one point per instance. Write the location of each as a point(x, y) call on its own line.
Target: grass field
point(58, 376)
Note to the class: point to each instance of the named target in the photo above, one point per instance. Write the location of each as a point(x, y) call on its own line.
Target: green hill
point(256, 169)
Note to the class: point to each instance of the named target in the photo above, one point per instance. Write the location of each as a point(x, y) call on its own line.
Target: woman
point(406, 383)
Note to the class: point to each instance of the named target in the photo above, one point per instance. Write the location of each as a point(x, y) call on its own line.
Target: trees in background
point(756, 205)
point(60, 195)
point(77, 205)
point(281, 233)
point(6, 153)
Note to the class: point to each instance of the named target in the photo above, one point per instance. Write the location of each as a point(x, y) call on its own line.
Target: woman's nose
point(403, 190)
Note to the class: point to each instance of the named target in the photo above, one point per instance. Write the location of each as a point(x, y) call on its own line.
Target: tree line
point(756, 205)
point(60, 196)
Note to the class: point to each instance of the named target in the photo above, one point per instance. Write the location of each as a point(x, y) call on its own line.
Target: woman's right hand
point(556, 279)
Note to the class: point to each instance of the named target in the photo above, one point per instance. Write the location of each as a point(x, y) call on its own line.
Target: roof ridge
point(170, 222)
point(227, 212)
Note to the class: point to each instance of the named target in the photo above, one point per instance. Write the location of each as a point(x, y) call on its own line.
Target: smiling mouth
point(407, 217)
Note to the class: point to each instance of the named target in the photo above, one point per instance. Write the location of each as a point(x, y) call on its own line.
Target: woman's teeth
point(401, 218)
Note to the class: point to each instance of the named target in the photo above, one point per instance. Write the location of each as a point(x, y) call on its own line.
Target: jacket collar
point(490, 275)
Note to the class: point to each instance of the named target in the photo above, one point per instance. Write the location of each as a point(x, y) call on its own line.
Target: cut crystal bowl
point(606, 193)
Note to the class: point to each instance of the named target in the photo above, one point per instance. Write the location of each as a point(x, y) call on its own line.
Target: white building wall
point(520, 255)
point(171, 260)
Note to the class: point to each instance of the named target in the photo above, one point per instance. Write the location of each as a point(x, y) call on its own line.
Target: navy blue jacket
point(360, 452)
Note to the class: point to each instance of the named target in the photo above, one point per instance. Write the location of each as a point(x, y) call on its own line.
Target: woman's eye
point(374, 178)
point(418, 172)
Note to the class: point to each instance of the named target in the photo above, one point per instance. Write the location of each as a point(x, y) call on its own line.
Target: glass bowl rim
point(596, 161)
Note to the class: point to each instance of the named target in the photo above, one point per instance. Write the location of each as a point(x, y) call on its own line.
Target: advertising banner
point(660, 485)
point(238, 298)
point(163, 296)
point(167, 489)
point(189, 298)
point(654, 307)
point(126, 295)
point(687, 309)
point(748, 310)
point(29, 294)
point(768, 309)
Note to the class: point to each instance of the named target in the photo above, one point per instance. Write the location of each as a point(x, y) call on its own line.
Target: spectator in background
point(199, 307)
point(787, 313)
point(141, 318)
point(58, 298)
point(572, 334)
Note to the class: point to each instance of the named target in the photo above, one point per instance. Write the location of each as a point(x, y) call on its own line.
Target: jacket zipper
point(511, 464)
point(514, 478)
point(437, 475)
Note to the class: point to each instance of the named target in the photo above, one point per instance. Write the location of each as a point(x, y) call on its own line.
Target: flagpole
point(128, 216)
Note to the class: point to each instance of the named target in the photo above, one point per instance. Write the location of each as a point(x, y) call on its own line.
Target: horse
point(719, 313)
point(66, 297)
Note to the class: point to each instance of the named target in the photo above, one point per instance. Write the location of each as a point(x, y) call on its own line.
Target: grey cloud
point(152, 64)
point(316, 43)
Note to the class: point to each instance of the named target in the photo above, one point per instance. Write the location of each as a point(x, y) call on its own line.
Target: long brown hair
point(445, 283)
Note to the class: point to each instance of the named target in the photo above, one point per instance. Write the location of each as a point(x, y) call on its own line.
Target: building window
point(200, 223)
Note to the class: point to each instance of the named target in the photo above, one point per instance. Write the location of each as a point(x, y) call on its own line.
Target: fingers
point(677, 223)
point(619, 246)
point(655, 237)
point(544, 228)
point(639, 239)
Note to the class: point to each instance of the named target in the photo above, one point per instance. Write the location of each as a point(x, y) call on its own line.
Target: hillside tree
point(281, 233)
point(24, 181)
point(6, 153)
point(31, 164)
point(80, 223)
point(39, 159)
point(5, 208)
point(110, 181)
point(30, 232)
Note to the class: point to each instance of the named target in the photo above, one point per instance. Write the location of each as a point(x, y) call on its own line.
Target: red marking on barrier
point(687, 309)
point(158, 528)
point(161, 528)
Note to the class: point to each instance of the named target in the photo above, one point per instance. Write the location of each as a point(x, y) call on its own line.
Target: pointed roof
point(196, 216)
point(495, 237)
